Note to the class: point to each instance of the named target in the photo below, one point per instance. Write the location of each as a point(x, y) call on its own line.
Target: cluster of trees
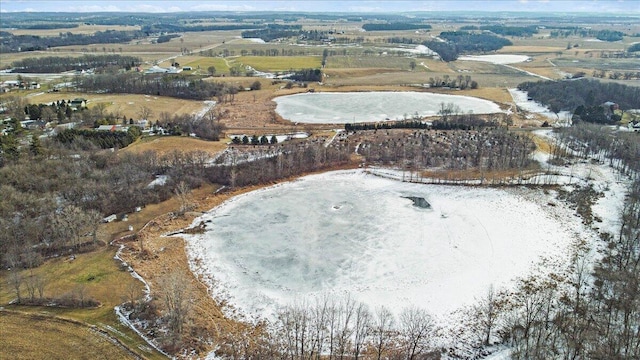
point(275, 31)
point(18, 43)
point(458, 42)
point(634, 48)
point(255, 140)
point(604, 35)
point(616, 75)
point(101, 139)
point(57, 64)
point(58, 111)
point(459, 82)
point(339, 328)
point(395, 26)
point(525, 31)
point(568, 95)
point(178, 86)
point(207, 127)
point(306, 75)
point(166, 38)
point(487, 149)
point(265, 164)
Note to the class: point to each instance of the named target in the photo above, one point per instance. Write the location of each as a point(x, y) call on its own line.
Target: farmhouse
point(155, 69)
point(78, 103)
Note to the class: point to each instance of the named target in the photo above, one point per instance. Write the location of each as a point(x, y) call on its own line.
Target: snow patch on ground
point(340, 108)
point(521, 99)
point(496, 59)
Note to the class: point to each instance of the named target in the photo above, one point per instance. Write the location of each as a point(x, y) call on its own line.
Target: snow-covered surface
point(419, 50)
point(339, 108)
point(496, 59)
point(352, 232)
point(208, 105)
point(521, 99)
point(158, 181)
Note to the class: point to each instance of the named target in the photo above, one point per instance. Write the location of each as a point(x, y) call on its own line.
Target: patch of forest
point(464, 42)
point(505, 30)
point(275, 31)
point(178, 86)
point(57, 64)
point(490, 149)
point(604, 35)
point(571, 94)
point(10, 43)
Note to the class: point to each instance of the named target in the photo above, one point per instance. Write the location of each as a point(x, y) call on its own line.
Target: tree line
point(395, 26)
point(10, 43)
point(58, 64)
point(525, 31)
point(604, 35)
point(275, 31)
point(178, 86)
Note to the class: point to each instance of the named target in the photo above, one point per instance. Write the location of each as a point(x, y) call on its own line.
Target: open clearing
point(31, 336)
point(279, 63)
point(167, 144)
point(128, 105)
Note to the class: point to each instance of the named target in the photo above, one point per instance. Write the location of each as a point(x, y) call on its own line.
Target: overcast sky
point(609, 6)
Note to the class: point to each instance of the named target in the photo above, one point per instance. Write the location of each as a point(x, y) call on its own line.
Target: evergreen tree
point(35, 148)
point(274, 139)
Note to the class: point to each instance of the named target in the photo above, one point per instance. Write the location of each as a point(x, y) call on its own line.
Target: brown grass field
point(167, 144)
point(42, 339)
point(128, 105)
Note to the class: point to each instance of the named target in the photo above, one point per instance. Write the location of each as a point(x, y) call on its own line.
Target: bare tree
point(184, 197)
point(176, 298)
point(382, 330)
point(417, 328)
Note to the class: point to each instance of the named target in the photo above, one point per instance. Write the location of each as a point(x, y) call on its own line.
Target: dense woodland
point(524, 31)
point(178, 86)
point(570, 94)
point(58, 64)
point(465, 42)
point(604, 35)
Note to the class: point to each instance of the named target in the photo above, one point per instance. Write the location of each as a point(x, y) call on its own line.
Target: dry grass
point(279, 63)
point(167, 144)
point(128, 105)
point(31, 336)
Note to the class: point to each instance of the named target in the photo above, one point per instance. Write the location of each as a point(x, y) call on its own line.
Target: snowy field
point(350, 232)
point(496, 59)
point(340, 108)
point(521, 99)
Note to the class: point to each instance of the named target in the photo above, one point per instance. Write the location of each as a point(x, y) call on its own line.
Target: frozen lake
point(347, 231)
point(340, 108)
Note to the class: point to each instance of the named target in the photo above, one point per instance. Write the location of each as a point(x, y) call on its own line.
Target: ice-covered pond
point(332, 108)
point(348, 231)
